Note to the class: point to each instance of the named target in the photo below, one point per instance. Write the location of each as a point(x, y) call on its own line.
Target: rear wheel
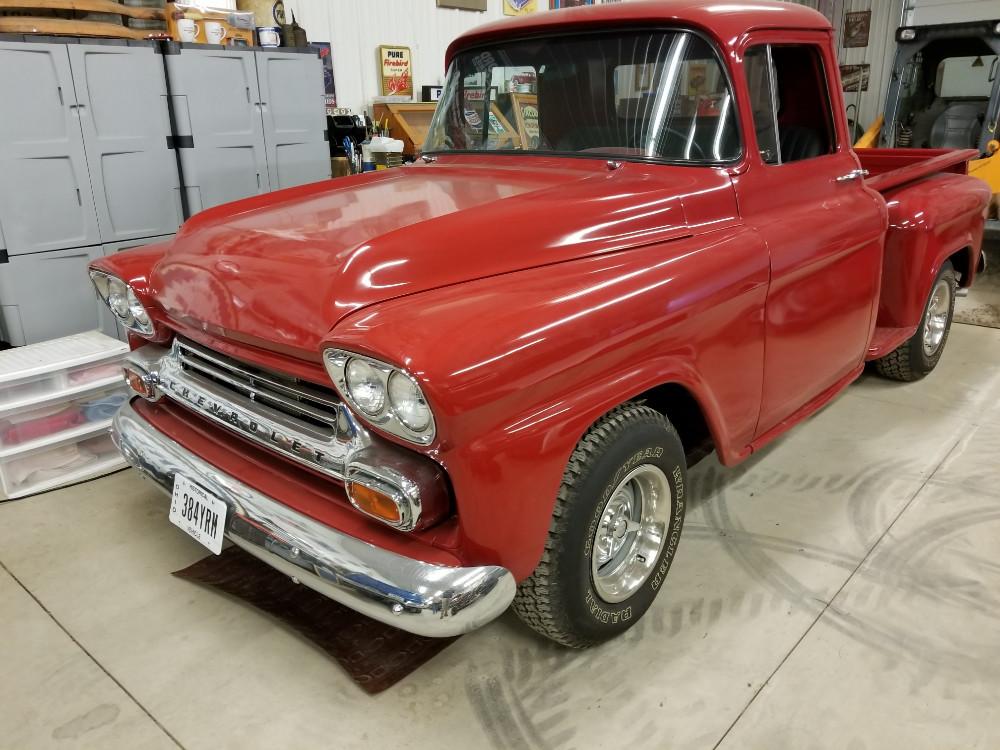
point(919, 354)
point(614, 531)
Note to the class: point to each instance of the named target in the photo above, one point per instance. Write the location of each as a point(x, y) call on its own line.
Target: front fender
point(517, 367)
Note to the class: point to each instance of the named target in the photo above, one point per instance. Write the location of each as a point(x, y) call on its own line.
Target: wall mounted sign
point(857, 26)
point(396, 69)
point(518, 7)
point(326, 57)
point(430, 93)
point(855, 77)
point(526, 116)
point(556, 4)
point(479, 5)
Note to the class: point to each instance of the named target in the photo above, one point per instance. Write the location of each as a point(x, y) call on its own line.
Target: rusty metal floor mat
point(376, 656)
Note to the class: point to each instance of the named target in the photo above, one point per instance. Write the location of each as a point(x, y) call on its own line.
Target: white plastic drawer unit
point(57, 399)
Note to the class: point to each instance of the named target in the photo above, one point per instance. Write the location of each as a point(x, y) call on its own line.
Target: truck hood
point(280, 270)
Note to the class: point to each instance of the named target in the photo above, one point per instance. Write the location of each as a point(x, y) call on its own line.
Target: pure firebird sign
point(397, 71)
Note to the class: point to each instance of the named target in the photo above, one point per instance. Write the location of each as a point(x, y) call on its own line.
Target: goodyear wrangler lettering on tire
point(675, 530)
point(615, 529)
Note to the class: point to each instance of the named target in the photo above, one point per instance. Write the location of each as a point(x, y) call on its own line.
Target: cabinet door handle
point(854, 174)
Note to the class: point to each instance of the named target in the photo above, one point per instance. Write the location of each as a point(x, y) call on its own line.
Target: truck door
point(803, 191)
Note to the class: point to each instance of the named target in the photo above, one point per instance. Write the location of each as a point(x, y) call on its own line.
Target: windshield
point(640, 95)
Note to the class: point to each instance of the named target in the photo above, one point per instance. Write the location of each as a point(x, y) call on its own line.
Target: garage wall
point(879, 53)
point(356, 28)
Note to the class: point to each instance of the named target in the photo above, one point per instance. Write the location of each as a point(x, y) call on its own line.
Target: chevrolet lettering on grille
point(297, 420)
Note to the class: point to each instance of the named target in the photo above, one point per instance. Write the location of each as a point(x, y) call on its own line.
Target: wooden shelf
point(66, 27)
point(78, 27)
point(85, 6)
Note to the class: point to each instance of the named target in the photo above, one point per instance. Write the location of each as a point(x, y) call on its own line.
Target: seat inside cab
point(947, 89)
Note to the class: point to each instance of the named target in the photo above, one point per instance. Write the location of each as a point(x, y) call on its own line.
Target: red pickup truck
point(433, 391)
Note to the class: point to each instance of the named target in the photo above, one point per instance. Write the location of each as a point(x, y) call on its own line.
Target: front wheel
point(614, 530)
point(920, 353)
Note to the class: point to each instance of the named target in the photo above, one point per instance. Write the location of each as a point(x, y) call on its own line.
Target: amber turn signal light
point(141, 383)
point(373, 502)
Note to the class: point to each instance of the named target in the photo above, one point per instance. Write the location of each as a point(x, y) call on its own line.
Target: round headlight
point(138, 311)
point(118, 298)
point(408, 402)
point(365, 386)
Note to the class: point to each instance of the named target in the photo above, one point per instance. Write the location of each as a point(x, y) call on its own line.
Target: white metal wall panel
point(933, 12)
point(356, 29)
point(878, 54)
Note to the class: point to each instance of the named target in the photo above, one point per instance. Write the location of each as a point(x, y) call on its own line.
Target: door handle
point(854, 174)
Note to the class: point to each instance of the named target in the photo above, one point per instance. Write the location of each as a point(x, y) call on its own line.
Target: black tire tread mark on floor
point(827, 608)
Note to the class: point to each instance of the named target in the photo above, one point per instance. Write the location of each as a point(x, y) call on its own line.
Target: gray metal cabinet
point(293, 107)
point(121, 93)
point(46, 201)
point(219, 130)
point(47, 295)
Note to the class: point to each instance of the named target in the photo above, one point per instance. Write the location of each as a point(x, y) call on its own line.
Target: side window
point(791, 102)
point(757, 65)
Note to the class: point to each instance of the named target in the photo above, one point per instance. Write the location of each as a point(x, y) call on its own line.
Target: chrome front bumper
point(422, 598)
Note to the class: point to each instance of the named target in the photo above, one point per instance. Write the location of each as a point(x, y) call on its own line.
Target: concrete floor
point(982, 305)
point(840, 590)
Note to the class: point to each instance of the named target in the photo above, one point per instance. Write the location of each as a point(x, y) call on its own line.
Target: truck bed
point(891, 167)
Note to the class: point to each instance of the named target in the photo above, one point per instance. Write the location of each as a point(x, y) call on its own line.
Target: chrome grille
point(300, 420)
point(291, 396)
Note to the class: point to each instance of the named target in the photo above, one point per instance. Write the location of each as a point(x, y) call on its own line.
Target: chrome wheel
point(936, 319)
point(631, 533)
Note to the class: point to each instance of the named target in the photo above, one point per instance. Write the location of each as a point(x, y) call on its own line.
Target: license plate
point(200, 513)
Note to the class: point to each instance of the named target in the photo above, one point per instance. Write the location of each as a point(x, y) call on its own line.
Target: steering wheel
point(683, 138)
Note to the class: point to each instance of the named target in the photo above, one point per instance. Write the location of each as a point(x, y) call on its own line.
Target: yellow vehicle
point(945, 93)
